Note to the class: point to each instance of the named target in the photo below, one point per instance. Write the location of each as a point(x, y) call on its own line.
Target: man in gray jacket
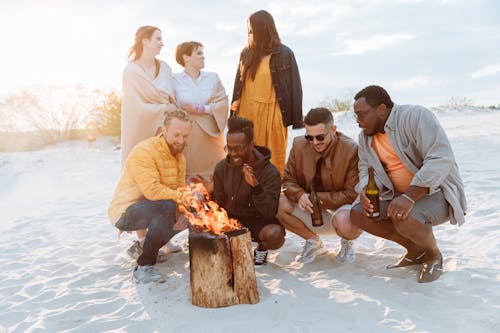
point(417, 175)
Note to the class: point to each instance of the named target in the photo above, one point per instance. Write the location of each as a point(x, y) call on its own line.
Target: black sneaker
point(259, 257)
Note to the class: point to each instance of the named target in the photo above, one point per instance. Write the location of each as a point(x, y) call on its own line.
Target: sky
point(422, 51)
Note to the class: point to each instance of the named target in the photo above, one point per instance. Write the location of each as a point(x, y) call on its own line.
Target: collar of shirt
point(185, 76)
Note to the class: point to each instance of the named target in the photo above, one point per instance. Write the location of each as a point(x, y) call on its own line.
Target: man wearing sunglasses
point(416, 172)
point(329, 160)
point(247, 185)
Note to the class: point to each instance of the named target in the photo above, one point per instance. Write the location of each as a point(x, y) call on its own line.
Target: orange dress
point(259, 104)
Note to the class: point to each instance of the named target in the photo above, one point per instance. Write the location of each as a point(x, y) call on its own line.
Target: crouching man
point(147, 195)
point(417, 174)
point(247, 185)
point(329, 160)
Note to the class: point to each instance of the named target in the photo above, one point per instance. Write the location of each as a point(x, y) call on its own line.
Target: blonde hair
point(179, 114)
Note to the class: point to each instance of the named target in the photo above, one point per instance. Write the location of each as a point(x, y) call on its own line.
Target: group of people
point(246, 170)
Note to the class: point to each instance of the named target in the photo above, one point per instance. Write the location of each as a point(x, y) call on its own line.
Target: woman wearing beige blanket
point(148, 95)
point(148, 92)
point(202, 95)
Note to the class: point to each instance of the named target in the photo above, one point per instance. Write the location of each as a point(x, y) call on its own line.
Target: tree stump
point(222, 269)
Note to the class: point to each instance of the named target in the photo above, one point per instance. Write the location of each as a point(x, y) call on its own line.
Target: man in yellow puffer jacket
point(147, 193)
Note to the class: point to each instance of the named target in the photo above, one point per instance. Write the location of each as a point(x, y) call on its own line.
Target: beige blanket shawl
point(206, 142)
point(143, 104)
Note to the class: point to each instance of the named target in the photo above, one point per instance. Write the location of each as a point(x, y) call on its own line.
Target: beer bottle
point(316, 215)
point(372, 193)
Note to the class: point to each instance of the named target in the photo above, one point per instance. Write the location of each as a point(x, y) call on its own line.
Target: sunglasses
point(319, 137)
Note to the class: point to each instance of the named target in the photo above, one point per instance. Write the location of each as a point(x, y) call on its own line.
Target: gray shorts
point(328, 215)
point(432, 209)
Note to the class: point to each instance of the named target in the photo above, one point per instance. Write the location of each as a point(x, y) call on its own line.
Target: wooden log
point(222, 271)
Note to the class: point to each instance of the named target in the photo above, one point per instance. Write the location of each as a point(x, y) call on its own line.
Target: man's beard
point(175, 149)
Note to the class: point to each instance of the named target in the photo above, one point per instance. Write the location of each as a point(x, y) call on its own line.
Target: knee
point(406, 227)
point(355, 217)
point(272, 236)
point(344, 226)
point(285, 206)
point(162, 222)
point(168, 206)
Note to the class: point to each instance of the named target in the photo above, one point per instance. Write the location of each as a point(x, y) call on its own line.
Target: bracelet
point(199, 109)
point(408, 198)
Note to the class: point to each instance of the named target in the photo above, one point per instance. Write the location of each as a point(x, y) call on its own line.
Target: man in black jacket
point(248, 187)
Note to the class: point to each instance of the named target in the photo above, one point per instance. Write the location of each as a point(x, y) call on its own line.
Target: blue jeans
point(158, 217)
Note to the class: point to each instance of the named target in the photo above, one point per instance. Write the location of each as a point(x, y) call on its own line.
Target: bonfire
point(206, 215)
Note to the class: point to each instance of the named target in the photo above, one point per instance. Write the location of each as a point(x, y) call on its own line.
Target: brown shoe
point(431, 270)
point(405, 261)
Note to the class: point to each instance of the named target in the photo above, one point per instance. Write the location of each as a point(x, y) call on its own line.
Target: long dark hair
point(265, 38)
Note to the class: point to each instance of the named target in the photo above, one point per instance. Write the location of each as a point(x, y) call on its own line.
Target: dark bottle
point(372, 193)
point(316, 215)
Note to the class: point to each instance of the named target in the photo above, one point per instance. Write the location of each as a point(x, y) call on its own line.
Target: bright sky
point(421, 51)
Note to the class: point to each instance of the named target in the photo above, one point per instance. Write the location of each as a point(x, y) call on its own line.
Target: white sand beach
point(62, 268)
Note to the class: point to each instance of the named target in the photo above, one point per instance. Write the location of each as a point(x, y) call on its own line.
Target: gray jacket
point(423, 147)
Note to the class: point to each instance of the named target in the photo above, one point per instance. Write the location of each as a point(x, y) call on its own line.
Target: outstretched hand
point(184, 197)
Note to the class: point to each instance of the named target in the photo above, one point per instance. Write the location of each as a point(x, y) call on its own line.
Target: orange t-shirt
point(399, 175)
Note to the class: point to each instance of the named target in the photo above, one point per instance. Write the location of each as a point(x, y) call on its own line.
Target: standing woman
point(267, 89)
point(148, 92)
point(202, 95)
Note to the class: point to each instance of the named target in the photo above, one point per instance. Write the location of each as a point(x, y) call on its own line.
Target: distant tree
point(337, 105)
point(460, 102)
point(105, 115)
point(55, 109)
point(50, 113)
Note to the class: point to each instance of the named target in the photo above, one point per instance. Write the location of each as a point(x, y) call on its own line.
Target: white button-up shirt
point(197, 91)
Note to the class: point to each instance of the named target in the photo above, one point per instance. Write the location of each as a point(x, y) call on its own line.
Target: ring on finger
point(399, 215)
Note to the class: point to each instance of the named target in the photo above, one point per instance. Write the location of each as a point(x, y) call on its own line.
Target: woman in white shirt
point(148, 92)
point(202, 95)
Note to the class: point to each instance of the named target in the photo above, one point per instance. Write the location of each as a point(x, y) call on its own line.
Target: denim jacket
point(286, 83)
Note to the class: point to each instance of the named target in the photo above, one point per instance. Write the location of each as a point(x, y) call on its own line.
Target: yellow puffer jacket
point(151, 172)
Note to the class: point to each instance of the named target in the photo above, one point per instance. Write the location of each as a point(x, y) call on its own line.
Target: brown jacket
point(339, 171)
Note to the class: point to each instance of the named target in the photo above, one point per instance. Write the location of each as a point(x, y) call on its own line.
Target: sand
point(62, 268)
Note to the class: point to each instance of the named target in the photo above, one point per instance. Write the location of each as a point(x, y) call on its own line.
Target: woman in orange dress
point(267, 89)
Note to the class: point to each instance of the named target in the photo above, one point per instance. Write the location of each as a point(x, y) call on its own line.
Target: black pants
point(156, 216)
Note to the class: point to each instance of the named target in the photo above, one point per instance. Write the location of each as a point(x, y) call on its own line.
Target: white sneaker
point(312, 249)
point(147, 274)
point(171, 248)
point(135, 250)
point(346, 253)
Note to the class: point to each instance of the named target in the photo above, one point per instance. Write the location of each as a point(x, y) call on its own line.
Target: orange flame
point(206, 215)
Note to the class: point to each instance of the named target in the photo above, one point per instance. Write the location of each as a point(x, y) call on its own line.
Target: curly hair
point(240, 125)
